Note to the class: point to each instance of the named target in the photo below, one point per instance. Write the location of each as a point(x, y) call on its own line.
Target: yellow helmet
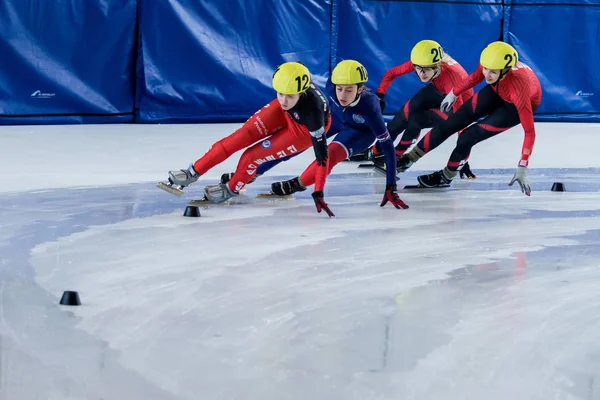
point(426, 53)
point(499, 55)
point(349, 72)
point(291, 78)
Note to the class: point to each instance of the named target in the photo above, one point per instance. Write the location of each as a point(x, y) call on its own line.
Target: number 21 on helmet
point(499, 56)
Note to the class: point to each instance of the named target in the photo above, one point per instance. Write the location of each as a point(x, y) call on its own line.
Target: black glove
point(320, 203)
point(381, 101)
point(466, 171)
point(391, 195)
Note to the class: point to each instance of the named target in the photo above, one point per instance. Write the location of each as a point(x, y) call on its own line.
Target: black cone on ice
point(191, 211)
point(70, 298)
point(558, 187)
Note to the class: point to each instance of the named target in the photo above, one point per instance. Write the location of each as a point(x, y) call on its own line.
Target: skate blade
point(379, 169)
point(236, 200)
point(271, 195)
point(383, 172)
point(204, 202)
point(170, 189)
point(200, 202)
point(366, 165)
point(426, 187)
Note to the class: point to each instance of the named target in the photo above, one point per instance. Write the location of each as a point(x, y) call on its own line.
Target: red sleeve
point(321, 176)
point(519, 96)
point(392, 74)
point(473, 79)
point(322, 159)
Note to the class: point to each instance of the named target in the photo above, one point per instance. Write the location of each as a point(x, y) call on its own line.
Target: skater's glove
point(448, 102)
point(381, 101)
point(320, 203)
point(466, 172)
point(521, 178)
point(391, 195)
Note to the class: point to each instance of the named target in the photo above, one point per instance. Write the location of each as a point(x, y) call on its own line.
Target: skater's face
point(491, 75)
point(346, 94)
point(425, 74)
point(287, 101)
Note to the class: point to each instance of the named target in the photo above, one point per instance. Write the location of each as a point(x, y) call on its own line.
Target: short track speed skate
point(274, 196)
point(169, 187)
point(410, 187)
point(178, 180)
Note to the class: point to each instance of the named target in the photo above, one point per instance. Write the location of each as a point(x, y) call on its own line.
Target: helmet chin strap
point(356, 99)
point(502, 75)
point(358, 93)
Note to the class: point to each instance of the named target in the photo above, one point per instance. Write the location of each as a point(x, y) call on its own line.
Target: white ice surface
point(474, 293)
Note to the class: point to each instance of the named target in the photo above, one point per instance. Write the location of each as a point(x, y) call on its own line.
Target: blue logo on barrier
point(265, 144)
point(358, 118)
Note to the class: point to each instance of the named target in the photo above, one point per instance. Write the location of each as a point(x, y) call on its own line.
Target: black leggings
point(421, 111)
point(499, 117)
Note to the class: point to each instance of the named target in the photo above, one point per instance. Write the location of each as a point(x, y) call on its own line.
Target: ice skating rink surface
point(476, 292)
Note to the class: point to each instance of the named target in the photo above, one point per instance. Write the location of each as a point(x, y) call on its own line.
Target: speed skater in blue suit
point(358, 123)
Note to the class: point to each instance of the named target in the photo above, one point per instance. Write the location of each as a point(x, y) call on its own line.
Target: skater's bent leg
point(417, 122)
point(266, 166)
point(337, 154)
point(224, 148)
point(398, 124)
point(261, 125)
point(426, 98)
point(282, 145)
point(442, 131)
point(497, 122)
point(481, 104)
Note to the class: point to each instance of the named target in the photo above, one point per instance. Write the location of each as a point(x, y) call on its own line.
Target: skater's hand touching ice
point(521, 178)
point(320, 203)
point(391, 195)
